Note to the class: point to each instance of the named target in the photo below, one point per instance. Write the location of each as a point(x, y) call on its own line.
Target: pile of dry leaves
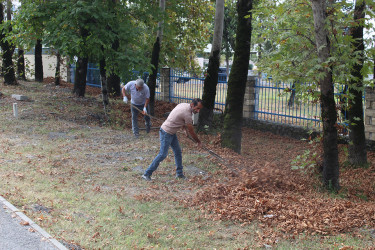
point(267, 190)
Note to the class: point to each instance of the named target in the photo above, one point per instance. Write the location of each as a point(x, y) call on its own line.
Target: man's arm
point(125, 93)
point(189, 128)
point(145, 107)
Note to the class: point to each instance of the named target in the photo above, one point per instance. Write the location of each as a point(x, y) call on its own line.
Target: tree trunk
point(114, 80)
point(80, 77)
point(152, 79)
point(21, 65)
point(7, 49)
point(155, 61)
point(38, 61)
point(210, 82)
point(57, 73)
point(103, 78)
point(327, 102)
point(232, 131)
point(357, 147)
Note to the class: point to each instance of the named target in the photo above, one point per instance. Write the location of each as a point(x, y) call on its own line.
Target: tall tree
point(357, 146)
point(232, 131)
point(229, 32)
point(31, 19)
point(327, 102)
point(21, 73)
point(113, 80)
point(103, 80)
point(210, 82)
point(6, 46)
point(155, 59)
point(38, 55)
point(58, 67)
point(79, 88)
point(83, 23)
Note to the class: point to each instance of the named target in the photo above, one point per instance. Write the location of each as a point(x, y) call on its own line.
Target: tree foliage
point(293, 57)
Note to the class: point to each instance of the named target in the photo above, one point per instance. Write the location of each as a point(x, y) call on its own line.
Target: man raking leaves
point(180, 117)
point(139, 94)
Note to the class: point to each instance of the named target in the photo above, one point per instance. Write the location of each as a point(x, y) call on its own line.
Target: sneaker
point(180, 176)
point(146, 177)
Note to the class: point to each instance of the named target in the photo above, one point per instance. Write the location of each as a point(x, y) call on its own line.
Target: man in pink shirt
point(180, 117)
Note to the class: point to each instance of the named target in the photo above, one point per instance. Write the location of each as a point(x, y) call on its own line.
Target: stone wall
point(249, 98)
point(370, 114)
point(164, 84)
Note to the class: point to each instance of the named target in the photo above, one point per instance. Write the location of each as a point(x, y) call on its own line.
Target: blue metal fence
point(185, 86)
point(280, 102)
point(93, 74)
point(93, 77)
point(274, 101)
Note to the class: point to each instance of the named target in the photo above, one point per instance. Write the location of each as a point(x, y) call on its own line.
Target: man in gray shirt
point(139, 94)
point(180, 117)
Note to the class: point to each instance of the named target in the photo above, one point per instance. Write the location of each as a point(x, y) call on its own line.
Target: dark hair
point(195, 101)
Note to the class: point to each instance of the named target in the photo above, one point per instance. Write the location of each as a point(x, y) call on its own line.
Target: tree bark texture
point(327, 102)
point(80, 76)
point(357, 147)
point(38, 61)
point(7, 50)
point(103, 78)
point(155, 61)
point(232, 131)
point(57, 72)
point(152, 78)
point(113, 80)
point(21, 65)
point(210, 82)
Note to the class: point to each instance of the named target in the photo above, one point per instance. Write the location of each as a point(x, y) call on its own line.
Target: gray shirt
point(138, 97)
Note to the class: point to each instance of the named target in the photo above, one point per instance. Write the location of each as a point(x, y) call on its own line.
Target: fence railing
point(93, 76)
point(279, 102)
point(184, 87)
point(274, 101)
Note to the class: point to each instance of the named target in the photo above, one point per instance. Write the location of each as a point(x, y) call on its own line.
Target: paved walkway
point(15, 236)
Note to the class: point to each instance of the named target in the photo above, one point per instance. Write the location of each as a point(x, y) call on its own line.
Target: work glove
point(125, 99)
point(145, 110)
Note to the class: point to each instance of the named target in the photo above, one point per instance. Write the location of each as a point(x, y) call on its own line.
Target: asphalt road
point(15, 236)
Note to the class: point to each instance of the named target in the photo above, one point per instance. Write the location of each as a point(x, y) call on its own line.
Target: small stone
point(20, 97)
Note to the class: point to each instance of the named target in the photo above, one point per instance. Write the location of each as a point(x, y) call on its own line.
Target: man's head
point(139, 84)
point(196, 105)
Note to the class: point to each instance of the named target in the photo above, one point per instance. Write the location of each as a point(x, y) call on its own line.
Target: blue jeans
point(135, 119)
point(167, 140)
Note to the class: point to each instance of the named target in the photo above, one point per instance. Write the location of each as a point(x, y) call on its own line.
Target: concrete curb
point(32, 224)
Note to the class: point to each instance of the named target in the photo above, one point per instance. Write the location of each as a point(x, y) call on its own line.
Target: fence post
point(370, 113)
point(164, 84)
point(249, 99)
